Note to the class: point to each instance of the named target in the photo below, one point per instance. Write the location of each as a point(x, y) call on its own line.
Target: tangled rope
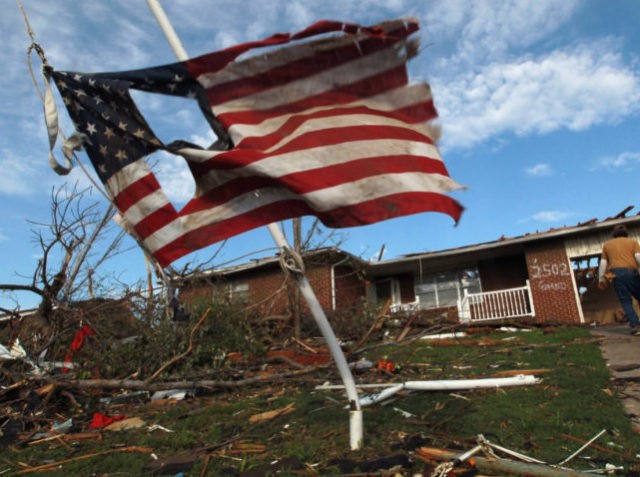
point(291, 262)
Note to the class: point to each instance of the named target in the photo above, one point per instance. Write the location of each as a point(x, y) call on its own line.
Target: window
point(443, 290)
point(239, 291)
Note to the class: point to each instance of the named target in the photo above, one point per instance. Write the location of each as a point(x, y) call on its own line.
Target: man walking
point(621, 258)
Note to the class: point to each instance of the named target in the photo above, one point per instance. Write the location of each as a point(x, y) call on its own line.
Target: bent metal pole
point(355, 411)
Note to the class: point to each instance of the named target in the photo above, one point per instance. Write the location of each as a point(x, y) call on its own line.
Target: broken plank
point(516, 372)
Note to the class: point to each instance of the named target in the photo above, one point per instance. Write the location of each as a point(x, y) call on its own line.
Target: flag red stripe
point(363, 213)
point(155, 221)
point(330, 136)
point(136, 191)
point(315, 179)
point(371, 86)
point(215, 61)
point(299, 69)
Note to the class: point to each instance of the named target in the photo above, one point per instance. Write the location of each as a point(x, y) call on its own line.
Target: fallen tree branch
point(53, 465)
point(135, 384)
point(498, 465)
point(377, 324)
point(184, 354)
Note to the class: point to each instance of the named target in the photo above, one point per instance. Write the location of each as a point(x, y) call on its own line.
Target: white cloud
point(551, 215)
point(625, 161)
point(562, 90)
point(539, 170)
point(299, 14)
point(18, 174)
point(487, 31)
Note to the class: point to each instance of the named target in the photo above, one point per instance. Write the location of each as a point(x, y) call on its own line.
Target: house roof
point(261, 263)
point(467, 255)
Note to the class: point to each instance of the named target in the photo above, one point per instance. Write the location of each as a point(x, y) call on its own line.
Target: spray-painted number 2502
point(549, 270)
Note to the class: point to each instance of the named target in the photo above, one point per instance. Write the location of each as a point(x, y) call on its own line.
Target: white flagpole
point(355, 411)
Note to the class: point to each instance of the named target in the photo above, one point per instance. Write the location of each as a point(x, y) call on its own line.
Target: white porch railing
point(496, 305)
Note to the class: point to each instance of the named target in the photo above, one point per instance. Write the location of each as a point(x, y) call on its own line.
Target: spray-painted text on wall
point(548, 276)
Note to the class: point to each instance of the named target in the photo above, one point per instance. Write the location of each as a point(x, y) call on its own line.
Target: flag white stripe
point(128, 175)
point(311, 158)
point(386, 102)
point(146, 206)
point(321, 124)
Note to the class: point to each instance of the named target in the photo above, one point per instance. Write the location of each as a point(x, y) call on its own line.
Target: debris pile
point(245, 410)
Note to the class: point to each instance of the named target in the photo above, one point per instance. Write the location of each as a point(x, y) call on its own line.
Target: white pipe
point(441, 336)
point(381, 396)
point(329, 336)
point(167, 29)
point(355, 421)
point(355, 428)
point(456, 384)
point(439, 385)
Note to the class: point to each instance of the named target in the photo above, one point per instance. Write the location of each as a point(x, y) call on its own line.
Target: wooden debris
point(241, 448)
point(69, 437)
point(125, 424)
point(407, 327)
point(184, 354)
point(267, 416)
point(305, 346)
point(516, 372)
point(46, 389)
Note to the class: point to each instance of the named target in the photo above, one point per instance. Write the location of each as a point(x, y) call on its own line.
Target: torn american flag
point(326, 124)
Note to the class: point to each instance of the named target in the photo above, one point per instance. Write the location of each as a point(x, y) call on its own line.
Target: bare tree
point(68, 261)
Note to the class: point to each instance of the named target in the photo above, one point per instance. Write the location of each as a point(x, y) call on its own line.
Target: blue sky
point(539, 104)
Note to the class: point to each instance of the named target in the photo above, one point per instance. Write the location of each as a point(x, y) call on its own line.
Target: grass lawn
point(218, 436)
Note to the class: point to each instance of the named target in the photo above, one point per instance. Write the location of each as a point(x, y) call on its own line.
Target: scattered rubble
point(63, 407)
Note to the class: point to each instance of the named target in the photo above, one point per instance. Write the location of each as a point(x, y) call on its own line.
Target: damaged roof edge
point(258, 263)
point(588, 227)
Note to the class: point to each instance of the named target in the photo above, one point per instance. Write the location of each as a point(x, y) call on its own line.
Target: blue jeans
point(627, 287)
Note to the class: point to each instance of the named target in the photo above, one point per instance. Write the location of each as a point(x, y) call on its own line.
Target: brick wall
point(551, 284)
point(196, 293)
point(267, 290)
point(350, 288)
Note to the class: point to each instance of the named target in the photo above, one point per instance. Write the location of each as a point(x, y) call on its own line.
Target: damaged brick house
point(548, 276)
point(336, 277)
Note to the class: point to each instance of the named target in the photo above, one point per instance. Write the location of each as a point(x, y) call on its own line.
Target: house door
point(388, 290)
